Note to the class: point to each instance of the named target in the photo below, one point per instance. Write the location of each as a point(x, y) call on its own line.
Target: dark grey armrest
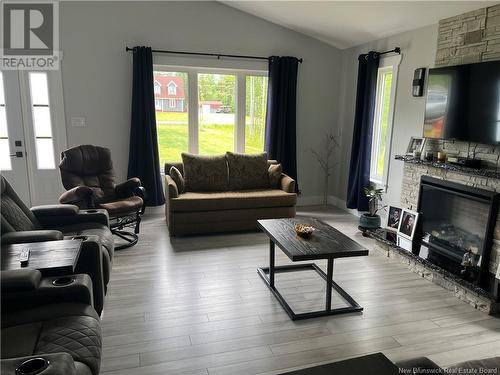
point(31, 236)
point(58, 364)
point(23, 295)
point(20, 280)
point(83, 216)
point(54, 210)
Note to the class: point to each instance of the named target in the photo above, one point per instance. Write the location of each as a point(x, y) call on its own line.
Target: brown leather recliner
point(88, 175)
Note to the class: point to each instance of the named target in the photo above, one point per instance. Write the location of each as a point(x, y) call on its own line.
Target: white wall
point(418, 50)
point(97, 72)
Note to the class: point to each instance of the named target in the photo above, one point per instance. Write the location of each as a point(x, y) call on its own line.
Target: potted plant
point(370, 219)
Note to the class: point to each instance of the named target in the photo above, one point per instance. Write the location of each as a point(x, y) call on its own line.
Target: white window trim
point(239, 117)
point(385, 64)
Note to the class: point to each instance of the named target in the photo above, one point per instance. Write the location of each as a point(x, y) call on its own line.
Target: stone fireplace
point(413, 173)
point(457, 223)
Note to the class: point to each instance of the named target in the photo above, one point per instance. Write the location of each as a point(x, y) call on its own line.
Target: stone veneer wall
point(467, 38)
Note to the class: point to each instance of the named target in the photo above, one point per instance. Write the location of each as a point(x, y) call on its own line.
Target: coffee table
point(325, 243)
point(51, 258)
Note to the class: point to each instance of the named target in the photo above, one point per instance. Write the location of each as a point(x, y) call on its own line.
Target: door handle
point(18, 154)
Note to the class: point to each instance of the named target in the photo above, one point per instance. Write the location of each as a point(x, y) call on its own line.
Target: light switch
point(78, 121)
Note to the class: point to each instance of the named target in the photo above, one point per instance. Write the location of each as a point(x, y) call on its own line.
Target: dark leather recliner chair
point(53, 323)
point(88, 176)
point(19, 224)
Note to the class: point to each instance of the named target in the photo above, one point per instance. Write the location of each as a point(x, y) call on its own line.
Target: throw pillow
point(205, 173)
point(247, 171)
point(178, 179)
point(275, 171)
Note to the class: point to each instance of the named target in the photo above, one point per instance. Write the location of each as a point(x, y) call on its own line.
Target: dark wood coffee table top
point(372, 364)
point(325, 243)
point(51, 257)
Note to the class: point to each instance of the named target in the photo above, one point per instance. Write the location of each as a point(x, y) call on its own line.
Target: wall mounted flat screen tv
point(463, 103)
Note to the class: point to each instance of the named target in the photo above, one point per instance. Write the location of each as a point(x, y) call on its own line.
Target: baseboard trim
point(315, 200)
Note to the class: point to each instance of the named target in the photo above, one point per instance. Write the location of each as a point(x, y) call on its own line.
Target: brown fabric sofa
point(226, 209)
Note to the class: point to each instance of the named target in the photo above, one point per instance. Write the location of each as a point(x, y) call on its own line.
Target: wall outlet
point(78, 121)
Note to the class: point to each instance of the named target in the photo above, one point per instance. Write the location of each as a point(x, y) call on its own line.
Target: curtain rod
point(395, 50)
point(218, 55)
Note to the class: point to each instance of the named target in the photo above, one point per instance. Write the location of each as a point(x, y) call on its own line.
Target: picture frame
point(415, 144)
point(408, 224)
point(393, 218)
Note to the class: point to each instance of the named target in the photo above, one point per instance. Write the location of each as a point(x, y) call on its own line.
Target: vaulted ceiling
point(345, 24)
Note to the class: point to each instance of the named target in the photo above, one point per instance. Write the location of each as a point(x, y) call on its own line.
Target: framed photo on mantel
point(393, 218)
point(408, 224)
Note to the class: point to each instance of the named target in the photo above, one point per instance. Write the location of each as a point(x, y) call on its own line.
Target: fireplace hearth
point(457, 223)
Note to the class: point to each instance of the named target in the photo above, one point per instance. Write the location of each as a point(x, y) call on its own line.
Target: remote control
point(24, 257)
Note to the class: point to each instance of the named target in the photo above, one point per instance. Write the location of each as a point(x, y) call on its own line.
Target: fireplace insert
point(457, 224)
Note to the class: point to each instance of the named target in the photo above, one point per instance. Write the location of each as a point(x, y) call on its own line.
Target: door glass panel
point(255, 113)
point(45, 153)
point(3, 123)
point(41, 119)
point(216, 112)
point(42, 122)
point(39, 89)
point(171, 105)
point(5, 163)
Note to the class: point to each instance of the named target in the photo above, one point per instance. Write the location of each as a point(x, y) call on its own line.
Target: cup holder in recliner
point(63, 281)
point(32, 366)
point(84, 238)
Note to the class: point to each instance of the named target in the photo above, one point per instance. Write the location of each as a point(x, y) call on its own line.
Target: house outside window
point(383, 120)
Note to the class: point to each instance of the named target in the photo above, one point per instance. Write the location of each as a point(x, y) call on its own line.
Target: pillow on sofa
point(275, 171)
point(205, 173)
point(178, 179)
point(247, 171)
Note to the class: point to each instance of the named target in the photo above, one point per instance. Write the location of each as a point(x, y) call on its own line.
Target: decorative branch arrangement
point(325, 162)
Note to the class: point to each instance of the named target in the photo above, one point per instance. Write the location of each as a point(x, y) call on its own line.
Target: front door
point(33, 134)
point(13, 162)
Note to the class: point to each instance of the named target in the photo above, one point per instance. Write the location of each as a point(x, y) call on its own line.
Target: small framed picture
point(393, 218)
point(408, 224)
point(416, 144)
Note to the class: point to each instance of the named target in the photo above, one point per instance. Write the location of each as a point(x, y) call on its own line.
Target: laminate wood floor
point(196, 305)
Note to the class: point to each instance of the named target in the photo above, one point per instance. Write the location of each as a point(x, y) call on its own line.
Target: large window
point(205, 111)
point(383, 120)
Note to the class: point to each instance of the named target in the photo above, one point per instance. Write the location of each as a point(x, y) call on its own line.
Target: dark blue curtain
point(143, 161)
point(281, 137)
point(359, 170)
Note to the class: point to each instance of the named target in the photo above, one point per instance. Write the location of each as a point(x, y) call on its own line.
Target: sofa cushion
point(205, 173)
point(247, 171)
point(275, 171)
point(178, 179)
point(232, 200)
